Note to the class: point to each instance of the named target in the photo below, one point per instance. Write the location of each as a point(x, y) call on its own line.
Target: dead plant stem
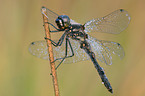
point(50, 51)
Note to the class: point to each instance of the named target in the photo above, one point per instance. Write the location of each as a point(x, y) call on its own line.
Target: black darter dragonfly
point(79, 45)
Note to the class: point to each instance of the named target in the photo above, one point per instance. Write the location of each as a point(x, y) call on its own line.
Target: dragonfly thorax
point(76, 32)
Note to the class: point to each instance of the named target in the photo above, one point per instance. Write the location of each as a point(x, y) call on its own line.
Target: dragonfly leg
point(59, 43)
point(71, 49)
point(57, 30)
point(67, 41)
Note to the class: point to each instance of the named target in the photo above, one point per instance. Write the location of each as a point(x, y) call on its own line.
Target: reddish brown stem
point(50, 51)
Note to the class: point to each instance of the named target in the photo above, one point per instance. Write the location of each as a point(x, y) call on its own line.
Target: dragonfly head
point(63, 21)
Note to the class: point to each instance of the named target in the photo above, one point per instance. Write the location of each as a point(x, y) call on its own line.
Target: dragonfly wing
point(104, 49)
point(52, 16)
point(79, 54)
point(114, 23)
point(40, 50)
point(73, 22)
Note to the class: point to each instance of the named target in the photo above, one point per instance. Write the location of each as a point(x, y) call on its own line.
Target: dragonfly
point(77, 44)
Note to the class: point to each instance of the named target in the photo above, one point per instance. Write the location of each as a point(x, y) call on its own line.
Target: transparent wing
point(104, 49)
point(73, 22)
point(39, 49)
point(114, 23)
point(52, 16)
point(79, 54)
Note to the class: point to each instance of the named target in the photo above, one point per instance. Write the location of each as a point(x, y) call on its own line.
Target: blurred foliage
point(21, 74)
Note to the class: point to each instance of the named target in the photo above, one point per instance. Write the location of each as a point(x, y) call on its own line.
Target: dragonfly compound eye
point(63, 21)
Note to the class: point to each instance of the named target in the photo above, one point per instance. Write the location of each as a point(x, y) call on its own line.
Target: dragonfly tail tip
point(110, 90)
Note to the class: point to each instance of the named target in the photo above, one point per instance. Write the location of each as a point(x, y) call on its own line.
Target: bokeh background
point(22, 74)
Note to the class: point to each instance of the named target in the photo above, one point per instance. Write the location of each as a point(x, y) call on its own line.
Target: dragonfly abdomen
point(86, 46)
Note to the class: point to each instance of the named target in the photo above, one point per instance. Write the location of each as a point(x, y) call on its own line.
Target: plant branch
point(50, 51)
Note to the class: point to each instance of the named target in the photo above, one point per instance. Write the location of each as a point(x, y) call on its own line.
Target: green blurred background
point(22, 74)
